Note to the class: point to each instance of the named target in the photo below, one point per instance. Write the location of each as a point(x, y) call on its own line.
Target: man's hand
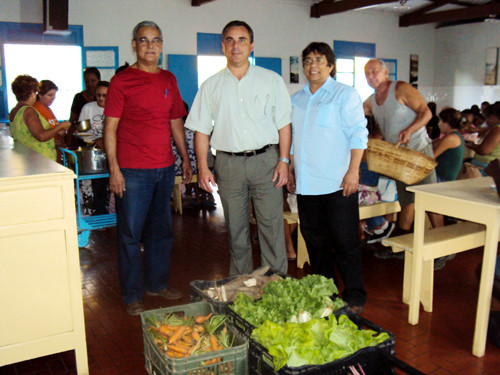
point(404, 136)
point(117, 183)
point(280, 175)
point(187, 172)
point(205, 178)
point(350, 182)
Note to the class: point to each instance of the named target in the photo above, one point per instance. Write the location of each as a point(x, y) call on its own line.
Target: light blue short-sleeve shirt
point(326, 126)
point(241, 115)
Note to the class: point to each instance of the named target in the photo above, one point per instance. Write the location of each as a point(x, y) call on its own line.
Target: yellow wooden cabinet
point(41, 309)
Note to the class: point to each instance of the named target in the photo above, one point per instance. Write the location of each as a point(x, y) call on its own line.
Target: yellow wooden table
point(472, 200)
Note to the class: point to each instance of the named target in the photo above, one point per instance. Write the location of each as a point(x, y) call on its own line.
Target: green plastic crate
point(234, 359)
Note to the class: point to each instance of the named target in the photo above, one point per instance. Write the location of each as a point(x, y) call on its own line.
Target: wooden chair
point(438, 242)
point(176, 193)
point(378, 209)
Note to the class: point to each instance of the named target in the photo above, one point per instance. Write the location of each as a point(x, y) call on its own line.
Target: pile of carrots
point(181, 337)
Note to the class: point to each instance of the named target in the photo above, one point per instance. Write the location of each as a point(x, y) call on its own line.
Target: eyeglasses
point(241, 41)
point(147, 42)
point(318, 60)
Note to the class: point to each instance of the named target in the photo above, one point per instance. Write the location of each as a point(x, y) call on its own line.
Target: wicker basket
point(399, 163)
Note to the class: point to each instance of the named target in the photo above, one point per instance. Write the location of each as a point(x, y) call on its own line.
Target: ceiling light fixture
point(492, 19)
point(402, 6)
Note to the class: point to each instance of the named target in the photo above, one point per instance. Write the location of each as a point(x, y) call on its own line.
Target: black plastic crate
point(239, 323)
point(261, 362)
point(246, 328)
point(197, 287)
point(373, 361)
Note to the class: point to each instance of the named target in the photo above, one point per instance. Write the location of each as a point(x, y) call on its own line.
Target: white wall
point(282, 29)
point(460, 64)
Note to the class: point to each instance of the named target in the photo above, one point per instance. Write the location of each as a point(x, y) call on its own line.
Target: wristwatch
point(285, 160)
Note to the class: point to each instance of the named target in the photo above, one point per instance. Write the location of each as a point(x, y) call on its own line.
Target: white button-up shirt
point(326, 125)
point(241, 115)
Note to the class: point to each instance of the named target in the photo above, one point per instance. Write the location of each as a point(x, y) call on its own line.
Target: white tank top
point(393, 117)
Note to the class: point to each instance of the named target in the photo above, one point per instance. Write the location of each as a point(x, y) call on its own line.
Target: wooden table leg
point(302, 254)
point(416, 272)
point(485, 288)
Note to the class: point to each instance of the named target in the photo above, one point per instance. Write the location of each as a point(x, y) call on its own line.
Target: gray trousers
point(241, 179)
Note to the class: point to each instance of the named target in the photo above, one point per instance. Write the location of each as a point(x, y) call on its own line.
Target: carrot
point(195, 335)
point(177, 334)
point(210, 361)
point(213, 343)
point(165, 330)
point(182, 344)
point(178, 349)
point(187, 338)
point(199, 329)
point(200, 318)
point(171, 353)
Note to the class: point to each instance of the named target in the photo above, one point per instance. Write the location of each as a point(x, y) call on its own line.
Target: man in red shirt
point(143, 111)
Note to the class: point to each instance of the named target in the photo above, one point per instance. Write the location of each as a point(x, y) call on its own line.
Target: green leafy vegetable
point(315, 342)
point(282, 301)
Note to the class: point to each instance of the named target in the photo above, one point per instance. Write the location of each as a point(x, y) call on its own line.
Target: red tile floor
point(440, 344)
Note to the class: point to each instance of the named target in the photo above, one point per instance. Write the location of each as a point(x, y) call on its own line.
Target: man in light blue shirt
point(329, 138)
point(244, 112)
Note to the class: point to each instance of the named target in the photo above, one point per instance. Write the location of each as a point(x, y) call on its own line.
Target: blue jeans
point(144, 214)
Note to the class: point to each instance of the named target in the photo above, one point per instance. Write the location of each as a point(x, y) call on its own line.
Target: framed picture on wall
point(491, 67)
point(414, 70)
point(294, 69)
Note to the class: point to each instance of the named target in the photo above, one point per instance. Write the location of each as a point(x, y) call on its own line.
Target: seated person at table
point(377, 228)
point(94, 111)
point(27, 125)
point(489, 148)
point(449, 150)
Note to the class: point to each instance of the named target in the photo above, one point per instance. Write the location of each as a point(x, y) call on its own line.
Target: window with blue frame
point(50, 57)
point(25, 34)
point(351, 59)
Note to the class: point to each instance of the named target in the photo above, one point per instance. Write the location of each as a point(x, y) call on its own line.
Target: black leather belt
point(249, 153)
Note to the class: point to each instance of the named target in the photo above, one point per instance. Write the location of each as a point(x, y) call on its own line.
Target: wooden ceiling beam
point(479, 11)
point(197, 3)
point(430, 7)
point(327, 7)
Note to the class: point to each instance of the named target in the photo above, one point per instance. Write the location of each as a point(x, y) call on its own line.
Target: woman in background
point(449, 150)
point(27, 125)
point(91, 76)
point(46, 95)
point(489, 149)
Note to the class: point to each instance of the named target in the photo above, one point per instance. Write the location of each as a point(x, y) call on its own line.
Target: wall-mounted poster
point(414, 70)
point(490, 77)
point(294, 69)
